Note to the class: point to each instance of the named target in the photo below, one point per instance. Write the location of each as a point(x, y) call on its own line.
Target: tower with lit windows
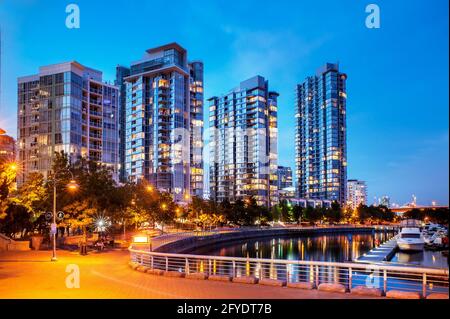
point(320, 141)
point(243, 143)
point(162, 121)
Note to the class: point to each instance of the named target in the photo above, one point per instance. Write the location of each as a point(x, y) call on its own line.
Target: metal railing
point(168, 238)
point(350, 275)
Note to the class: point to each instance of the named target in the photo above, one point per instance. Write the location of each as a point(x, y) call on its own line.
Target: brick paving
point(107, 275)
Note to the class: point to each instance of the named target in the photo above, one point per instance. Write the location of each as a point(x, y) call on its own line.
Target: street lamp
point(72, 186)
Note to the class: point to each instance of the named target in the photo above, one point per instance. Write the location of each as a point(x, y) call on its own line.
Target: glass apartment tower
point(66, 107)
point(243, 144)
point(356, 193)
point(162, 127)
point(321, 164)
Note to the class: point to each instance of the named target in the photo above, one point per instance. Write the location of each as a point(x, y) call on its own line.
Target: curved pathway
point(107, 275)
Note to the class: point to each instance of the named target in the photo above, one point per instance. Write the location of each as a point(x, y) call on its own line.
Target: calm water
point(426, 258)
point(320, 247)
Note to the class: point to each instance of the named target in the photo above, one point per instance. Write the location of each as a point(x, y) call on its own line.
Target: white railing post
point(167, 263)
point(186, 270)
point(287, 273)
point(234, 269)
point(350, 279)
point(151, 261)
point(424, 285)
point(317, 276)
point(384, 281)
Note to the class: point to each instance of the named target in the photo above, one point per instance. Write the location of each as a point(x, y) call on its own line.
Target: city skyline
point(377, 114)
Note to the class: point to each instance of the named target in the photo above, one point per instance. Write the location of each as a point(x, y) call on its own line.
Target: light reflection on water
point(426, 258)
point(317, 247)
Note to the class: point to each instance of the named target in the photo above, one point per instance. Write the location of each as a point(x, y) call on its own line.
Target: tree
point(7, 179)
point(334, 213)
point(297, 213)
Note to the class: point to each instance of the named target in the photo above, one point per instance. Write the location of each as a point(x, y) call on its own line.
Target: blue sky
point(397, 112)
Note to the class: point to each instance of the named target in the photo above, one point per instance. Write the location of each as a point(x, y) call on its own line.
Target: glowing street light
point(150, 188)
point(72, 185)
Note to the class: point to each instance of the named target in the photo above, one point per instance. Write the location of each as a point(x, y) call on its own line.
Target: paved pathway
point(107, 275)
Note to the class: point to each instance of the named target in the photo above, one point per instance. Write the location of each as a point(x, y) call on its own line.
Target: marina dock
point(384, 252)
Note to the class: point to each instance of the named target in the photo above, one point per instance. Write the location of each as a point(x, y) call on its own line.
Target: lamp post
point(71, 186)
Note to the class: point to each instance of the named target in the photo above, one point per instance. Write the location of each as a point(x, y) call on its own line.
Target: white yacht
point(410, 238)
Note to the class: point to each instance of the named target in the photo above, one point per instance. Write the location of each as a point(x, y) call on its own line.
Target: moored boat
point(410, 239)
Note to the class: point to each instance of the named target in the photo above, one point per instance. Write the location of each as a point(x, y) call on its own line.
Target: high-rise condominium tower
point(321, 164)
point(356, 193)
point(66, 107)
point(162, 126)
point(243, 145)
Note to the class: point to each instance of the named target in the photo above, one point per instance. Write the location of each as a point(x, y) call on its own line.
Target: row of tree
point(99, 201)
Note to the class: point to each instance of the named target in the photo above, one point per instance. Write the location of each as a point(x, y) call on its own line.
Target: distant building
point(385, 201)
point(284, 177)
point(7, 147)
point(287, 193)
point(66, 107)
point(356, 193)
point(320, 140)
point(243, 159)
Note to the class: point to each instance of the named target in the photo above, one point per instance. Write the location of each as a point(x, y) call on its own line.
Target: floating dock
point(384, 252)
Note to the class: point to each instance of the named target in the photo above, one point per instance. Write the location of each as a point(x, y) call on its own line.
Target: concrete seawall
point(186, 245)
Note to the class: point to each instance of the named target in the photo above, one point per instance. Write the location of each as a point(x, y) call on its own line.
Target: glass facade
point(284, 177)
point(356, 193)
point(163, 124)
point(321, 159)
point(66, 108)
point(121, 73)
point(244, 132)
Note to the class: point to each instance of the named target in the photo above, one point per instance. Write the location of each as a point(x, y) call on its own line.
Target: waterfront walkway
point(107, 275)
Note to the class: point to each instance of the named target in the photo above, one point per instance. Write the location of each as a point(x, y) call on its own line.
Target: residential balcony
point(95, 90)
point(95, 113)
point(96, 102)
point(94, 146)
point(95, 124)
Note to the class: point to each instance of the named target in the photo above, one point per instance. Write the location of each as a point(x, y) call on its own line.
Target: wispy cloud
point(273, 54)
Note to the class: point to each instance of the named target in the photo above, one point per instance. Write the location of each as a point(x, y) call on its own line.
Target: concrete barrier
point(197, 275)
point(133, 265)
point(437, 296)
point(245, 280)
point(8, 244)
point(142, 268)
point(397, 294)
point(157, 272)
point(332, 287)
point(366, 291)
point(175, 274)
point(272, 282)
point(219, 278)
point(301, 285)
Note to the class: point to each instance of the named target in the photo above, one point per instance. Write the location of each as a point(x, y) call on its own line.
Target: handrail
point(414, 270)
